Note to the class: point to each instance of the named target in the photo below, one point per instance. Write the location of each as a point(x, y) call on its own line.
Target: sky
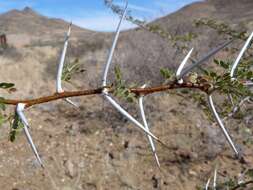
point(93, 14)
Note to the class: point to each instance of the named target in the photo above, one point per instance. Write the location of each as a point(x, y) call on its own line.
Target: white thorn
point(59, 88)
point(19, 110)
point(147, 127)
point(181, 66)
point(127, 115)
point(61, 63)
point(240, 55)
point(219, 121)
point(207, 184)
point(215, 179)
point(248, 83)
point(206, 57)
point(180, 81)
point(109, 60)
point(71, 102)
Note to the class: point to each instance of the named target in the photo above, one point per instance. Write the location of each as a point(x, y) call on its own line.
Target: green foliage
point(69, 70)
point(249, 173)
point(121, 89)
point(5, 85)
point(2, 119)
point(220, 27)
point(223, 83)
point(16, 127)
point(2, 109)
point(223, 64)
point(2, 105)
point(229, 184)
point(167, 73)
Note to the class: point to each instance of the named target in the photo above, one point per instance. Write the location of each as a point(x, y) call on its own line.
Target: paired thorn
point(181, 66)
point(59, 88)
point(214, 180)
point(147, 127)
point(219, 121)
point(19, 110)
point(111, 100)
point(210, 54)
point(104, 82)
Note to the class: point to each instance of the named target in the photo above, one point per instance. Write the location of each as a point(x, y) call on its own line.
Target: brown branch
point(242, 185)
point(67, 94)
point(173, 85)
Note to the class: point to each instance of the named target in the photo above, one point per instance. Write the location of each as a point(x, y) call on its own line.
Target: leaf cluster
point(16, 127)
point(9, 87)
point(69, 70)
point(220, 27)
point(167, 74)
point(120, 88)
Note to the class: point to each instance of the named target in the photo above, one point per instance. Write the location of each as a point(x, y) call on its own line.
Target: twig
point(136, 91)
point(242, 185)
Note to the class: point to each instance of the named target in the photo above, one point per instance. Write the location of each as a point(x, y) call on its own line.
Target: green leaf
point(6, 85)
point(12, 135)
point(70, 69)
point(16, 127)
point(118, 74)
point(166, 73)
point(2, 106)
point(250, 173)
point(2, 119)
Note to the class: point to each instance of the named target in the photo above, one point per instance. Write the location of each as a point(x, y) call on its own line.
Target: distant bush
point(10, 52)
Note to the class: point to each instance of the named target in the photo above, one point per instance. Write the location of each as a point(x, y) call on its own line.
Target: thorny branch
point(180, 81)
point(136, 91)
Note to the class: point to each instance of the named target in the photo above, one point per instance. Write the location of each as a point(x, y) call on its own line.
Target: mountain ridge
point(143, 49)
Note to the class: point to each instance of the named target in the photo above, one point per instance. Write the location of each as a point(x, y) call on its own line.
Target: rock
point(70, 171)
